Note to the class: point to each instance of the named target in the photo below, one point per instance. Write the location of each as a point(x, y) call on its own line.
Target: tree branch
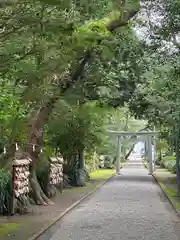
point(77, 73)
point(123, 19)
point(112, 26)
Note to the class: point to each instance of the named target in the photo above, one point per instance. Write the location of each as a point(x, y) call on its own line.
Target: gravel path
point(129, 207)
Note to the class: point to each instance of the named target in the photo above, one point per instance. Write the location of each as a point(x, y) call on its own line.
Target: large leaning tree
point(47, 50)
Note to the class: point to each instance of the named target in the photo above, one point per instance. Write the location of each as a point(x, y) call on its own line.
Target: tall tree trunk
point(177, 162)
point(81, 173)
point(36, 191)
point(81, 159)
point(160, 155)
point(37, 121)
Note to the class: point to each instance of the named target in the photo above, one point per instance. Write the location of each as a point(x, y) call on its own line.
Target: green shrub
point(174, 168)
point(169, 162)
point(158, 160)
point(162, 164)
point(108, 162)
point(169, 158)
point(5, 191)
point(91, 161)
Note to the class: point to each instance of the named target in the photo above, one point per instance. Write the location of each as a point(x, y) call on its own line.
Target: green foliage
point(12, 116)
point(5, 191)
point(91, 161)
point(157, 98)
point(92, 32)
point(120, 120)
point(169, 162)
point(80, 127)
point(108, 162)
point(102, 174)
point(8, 228)
point(171, 20)
point(161, 145)
point(62, 63)
point(41, 47)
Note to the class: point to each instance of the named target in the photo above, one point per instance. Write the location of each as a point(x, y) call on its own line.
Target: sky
point(139, 146)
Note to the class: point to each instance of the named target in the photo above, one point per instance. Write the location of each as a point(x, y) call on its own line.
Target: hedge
point(169, 162)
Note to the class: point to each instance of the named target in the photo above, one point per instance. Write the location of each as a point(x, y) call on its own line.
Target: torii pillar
point(149, 155)
point(118, 156)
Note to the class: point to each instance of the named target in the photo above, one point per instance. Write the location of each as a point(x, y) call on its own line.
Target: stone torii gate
point(148, 142)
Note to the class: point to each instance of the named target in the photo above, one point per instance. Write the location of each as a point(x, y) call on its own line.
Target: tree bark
point(177, 162)
point(81, 159)
point(37, 121)
point(160, 155)
point(36, 191)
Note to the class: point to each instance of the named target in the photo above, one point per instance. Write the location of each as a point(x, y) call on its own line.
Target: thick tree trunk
point(81, 159)
point(81, 174)
point(36, 191)
point(23, 205)
point(177, 164)
point(37, 121)
point(160, 155)
point(36, 130)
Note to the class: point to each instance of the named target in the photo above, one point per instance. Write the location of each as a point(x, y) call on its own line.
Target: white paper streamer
point(33, 148)
point(5, 150)
point(17, 147)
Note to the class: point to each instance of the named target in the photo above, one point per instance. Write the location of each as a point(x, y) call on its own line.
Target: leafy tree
point(157, 99)
point(48, 50)
point(76, 129)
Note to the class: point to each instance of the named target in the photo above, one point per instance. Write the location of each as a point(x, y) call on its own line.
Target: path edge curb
point(168, 198)
point(70, 208)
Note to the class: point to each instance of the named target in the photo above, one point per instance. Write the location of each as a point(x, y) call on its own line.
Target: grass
point(99, 175)
point(102, 174)
point(52, 219)
point(170, 192)
point(172, 195)
point(163, 170)
point(168, 184)
point(8, 228)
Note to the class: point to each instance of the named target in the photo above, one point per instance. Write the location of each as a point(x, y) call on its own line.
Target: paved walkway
point(129, 207)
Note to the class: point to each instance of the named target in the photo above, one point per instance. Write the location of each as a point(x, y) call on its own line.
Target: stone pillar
point(118, 157)
point(145, 149)
point(154, 141)
point(150, 160)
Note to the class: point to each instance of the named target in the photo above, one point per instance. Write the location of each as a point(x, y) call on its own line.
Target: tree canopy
point(62, 64)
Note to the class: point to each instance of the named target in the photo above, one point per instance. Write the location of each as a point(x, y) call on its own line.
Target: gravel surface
point(129, 207)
